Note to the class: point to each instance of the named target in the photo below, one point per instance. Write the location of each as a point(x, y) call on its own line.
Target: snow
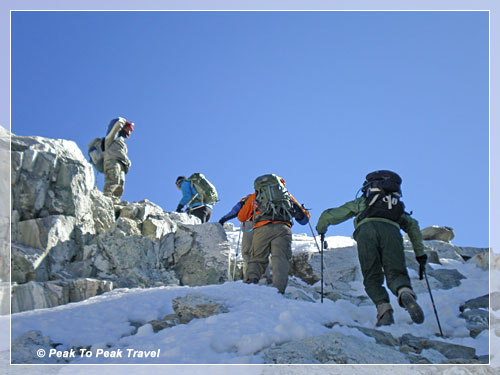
point(258, 318)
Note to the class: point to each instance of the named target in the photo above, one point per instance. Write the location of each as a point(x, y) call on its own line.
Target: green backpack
point(207, 194)
point(273, 200)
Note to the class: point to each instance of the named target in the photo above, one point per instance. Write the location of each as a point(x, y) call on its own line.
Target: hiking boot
point(408, 301)
point(252, 281)
point(386, 319)
point(384, 315)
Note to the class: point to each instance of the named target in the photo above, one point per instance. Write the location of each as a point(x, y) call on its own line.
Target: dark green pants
point(381, 252)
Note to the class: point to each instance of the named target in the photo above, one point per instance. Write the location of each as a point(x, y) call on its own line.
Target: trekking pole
point(237, 249)
point(433, 305)
point(321, 252)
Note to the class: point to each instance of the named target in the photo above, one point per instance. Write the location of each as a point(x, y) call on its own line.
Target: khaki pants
point(246, 245)
point(274, 239)
point(114, 181)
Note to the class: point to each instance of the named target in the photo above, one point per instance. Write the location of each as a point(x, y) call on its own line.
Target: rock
point(25, 348)
point(39, 295)
point(82, 289)
point(481, 260)
point(450, 351)
point(436, 232)
point(477, 321)
point(26, 262)
point(200, 254)
point(50, 177)
point(469, 252)
point(54, 236)
point(168, 321)
point(332, 348)
point(448, 278)
point(196, 306)
point(297, 294)
point(444, 249)
point(381, 337)
point(342, 265)
point(476, 303)
point(102, 211)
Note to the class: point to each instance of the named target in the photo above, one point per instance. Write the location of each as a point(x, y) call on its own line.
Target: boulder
point(476, 321)
point(450, 351)
point(444, 250)
point(26, 349)
point(196, 306)
point(436, 232)
point(480, 260)
point(50, 177)
point(199, 254)
point(476, 303)
point(342, 265)
point(448, 278)
point(332, 348)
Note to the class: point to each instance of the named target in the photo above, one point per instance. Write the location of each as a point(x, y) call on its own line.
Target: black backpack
point(382, 191)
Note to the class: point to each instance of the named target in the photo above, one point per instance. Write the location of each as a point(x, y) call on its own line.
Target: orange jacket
point(250, 210)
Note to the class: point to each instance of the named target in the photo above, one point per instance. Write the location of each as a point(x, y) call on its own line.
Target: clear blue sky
point(320, 98)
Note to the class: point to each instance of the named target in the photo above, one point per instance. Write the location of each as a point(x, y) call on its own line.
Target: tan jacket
point(115, 148)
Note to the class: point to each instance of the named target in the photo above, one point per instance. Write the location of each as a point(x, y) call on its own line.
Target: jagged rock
point(140, 211)
point(34, 295)
point(381, 337)
point(82, 289)
point(26, 263)
point(54, 236)
point(436, 232)
point(25, 348)
point(450, 351)
point(342, 265)
point(102, 211)
point(476, 303)
point(200, 254)
point(476, 320)
point(332, 348)
point(448, 278)
point(196, 306)
point(50, 177)
point(444, 250)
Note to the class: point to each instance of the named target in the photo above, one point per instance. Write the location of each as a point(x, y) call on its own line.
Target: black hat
point(179, 180)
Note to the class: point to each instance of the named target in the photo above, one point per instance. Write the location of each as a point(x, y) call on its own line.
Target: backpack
point(273, 200)
point(96, 154)
point(382, 191)
point(206, 191)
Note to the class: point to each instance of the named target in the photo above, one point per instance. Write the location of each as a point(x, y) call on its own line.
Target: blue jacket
point(188, 192)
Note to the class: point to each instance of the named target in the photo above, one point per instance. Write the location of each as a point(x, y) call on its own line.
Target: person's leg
point(281, 252)
point(259, 253)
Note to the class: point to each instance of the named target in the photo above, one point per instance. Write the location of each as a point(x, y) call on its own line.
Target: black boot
point(407, 299)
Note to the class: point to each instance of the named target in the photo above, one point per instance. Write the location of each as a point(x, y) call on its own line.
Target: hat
point(179, 180)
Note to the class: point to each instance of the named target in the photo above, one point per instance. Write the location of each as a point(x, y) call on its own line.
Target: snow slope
point(258, 318)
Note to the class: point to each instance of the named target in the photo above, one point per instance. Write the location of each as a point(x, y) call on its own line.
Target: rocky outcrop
point(65, 230)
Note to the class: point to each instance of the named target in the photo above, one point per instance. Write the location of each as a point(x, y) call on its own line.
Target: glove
point(422, 261)
point(222, 221)
point(179, 208)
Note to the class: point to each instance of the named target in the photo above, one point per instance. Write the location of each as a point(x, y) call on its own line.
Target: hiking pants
point(114, 181)
point(246, 244)
point(381, 252)
point(274, 238)
point(201, 212)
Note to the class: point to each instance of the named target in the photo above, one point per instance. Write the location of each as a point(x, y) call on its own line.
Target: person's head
point(128, 128)
point(179, 180)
